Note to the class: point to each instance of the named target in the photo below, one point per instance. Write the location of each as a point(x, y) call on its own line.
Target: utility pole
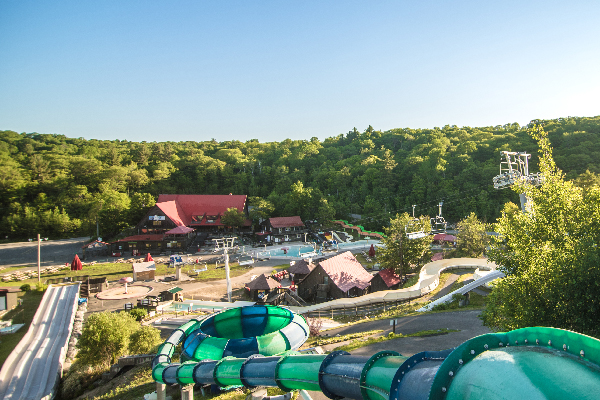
point(227, 244)
point(38, 260)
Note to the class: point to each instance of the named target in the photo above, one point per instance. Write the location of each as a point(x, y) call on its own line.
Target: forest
point(64, 187)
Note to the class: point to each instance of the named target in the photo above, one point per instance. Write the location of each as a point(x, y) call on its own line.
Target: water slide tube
point(253, 346)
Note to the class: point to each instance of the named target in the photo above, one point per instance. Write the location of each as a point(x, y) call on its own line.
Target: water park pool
point(302, 250)
point(209, 306)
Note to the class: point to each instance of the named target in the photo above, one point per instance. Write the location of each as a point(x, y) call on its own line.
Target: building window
point(156, 223)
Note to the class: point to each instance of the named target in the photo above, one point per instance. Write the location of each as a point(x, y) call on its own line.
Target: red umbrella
point(148, 258)
point(76, 264)
point(372, 251)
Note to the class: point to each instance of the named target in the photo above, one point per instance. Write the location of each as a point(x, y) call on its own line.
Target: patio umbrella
point(76, 264)
point(372, 251)
point(125, 280)
point(148, 258)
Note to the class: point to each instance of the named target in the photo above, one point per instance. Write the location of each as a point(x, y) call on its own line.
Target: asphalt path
point(51, 252)
point(467, 323)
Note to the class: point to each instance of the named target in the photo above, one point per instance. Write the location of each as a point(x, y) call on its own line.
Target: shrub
point(105, 337)
point(314, 326)
point(144, 341)
point(40, 287)
point(138, 313)
point(25, 288)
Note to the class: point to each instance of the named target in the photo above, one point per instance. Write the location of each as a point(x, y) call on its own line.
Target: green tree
point(472, 238)
point(105, 337)
point(401, 254)
point(233, 218)
point(550, 255)
point(144, 340)
point(261, 210)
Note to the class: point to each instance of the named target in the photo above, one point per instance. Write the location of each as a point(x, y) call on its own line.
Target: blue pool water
point(299, 250)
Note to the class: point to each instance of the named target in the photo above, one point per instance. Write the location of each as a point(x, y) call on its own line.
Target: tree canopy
point(400, 254)
point(60, 186)
point(550, 255)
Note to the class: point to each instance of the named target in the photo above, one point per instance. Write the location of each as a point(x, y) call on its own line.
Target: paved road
point(51, 252)
point(466, 321)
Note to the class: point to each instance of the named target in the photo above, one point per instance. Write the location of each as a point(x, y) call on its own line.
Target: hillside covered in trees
point(60, 186)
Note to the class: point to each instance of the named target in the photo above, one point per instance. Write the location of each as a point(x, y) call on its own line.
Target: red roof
point(181, 208)
point(444, 237)
point(346, 272)
point(149, 237)
point(284, 222)
point(389, 277)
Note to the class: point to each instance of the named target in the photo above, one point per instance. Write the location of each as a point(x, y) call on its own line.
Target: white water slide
point(33, 369)
point(467, 288)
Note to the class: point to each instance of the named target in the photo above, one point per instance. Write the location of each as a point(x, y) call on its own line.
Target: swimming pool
point(307, 251)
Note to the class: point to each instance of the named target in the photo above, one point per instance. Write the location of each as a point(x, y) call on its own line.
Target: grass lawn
point(116, 271)
point(20, 315)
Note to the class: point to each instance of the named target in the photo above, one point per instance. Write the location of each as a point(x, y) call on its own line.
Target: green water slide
point(254, 346)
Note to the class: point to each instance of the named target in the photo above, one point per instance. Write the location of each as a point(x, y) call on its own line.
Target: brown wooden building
point(385, 280)
point(261, 286)
point(198, 211)
point(301, 269)
point(283, 229)
point(338, 277)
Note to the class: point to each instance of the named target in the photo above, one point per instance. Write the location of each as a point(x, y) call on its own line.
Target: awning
point(174, 290)
point(180, 230)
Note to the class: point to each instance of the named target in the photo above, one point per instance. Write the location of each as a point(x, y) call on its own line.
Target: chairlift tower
point(225, 244)
point(438, 224)
point(514, 167)
point(414, 228)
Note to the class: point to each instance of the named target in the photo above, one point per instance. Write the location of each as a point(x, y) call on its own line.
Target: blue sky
point(270, 70)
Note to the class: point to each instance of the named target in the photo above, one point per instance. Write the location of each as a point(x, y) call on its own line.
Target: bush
point(314, 326)
point(105, 337)
point(40, 287)
point(25, 288)
point(138, 313)
point(144, 341)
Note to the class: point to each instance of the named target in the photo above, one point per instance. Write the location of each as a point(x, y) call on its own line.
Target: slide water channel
point(254, 346)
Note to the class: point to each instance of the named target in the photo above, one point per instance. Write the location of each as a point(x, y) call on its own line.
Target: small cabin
point(385, 279)
point(338, 277)
point(261, 286)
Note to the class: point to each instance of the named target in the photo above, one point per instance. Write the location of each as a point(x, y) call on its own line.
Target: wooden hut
point(8, 297)
point(337, 277)
point(144, 271)
point(300, 269)
point(385, 279)
point(261, 286)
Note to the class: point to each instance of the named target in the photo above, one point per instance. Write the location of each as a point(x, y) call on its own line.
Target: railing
point(362, 310)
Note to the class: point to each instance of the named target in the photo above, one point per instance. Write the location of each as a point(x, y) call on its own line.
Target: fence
point(364, 309)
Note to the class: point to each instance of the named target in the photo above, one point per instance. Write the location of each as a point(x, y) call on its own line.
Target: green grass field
point(116, 271)
point(21, 315)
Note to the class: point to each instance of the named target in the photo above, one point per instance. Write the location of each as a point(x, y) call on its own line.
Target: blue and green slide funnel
point(254, 346)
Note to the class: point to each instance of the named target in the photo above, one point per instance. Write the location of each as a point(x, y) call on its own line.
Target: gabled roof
point(173, 211)
point(180, 208)
point(285, 222)
point(262, 282)
point(301, 267)
point(389, 277)
point(346, 272)
point(444, 237)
